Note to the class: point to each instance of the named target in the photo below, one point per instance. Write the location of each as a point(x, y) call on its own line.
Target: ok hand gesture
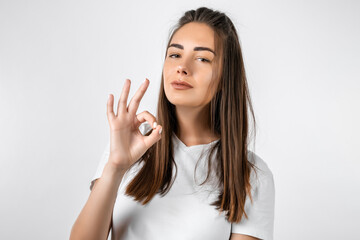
point(127, 144)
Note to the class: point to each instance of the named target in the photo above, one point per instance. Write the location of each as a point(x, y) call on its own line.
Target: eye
point(171, 55)
point(177, 55)
point(204, 60)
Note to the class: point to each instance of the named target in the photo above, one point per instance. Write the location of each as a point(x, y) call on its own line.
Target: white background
point(59, 60)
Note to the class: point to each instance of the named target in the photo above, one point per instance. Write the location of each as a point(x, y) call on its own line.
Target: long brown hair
point(229, 119)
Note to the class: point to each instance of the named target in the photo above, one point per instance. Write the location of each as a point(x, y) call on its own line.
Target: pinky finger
point(110, 107)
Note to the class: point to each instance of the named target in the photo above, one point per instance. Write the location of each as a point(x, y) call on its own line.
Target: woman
point(191, 175)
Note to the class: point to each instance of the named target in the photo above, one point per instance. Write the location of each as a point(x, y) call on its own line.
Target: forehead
point(193, 33)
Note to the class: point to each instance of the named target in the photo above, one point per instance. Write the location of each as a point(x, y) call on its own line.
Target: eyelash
point(206, 60)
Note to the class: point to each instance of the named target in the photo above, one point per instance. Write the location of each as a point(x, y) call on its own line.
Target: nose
point(182, 70)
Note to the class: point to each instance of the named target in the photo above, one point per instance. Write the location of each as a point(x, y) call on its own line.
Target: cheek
point(207, 78)
point(166, 70)
point(210, 87)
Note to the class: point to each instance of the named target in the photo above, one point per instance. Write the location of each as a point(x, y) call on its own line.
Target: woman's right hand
point(127, 144)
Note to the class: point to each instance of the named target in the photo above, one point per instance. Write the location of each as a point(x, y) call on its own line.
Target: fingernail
point(154, 125)
point(160, 130)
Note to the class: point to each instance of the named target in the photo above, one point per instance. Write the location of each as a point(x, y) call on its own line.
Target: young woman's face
point(190, 58)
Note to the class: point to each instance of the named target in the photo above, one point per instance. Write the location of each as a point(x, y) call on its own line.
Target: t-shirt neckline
point(193, 147)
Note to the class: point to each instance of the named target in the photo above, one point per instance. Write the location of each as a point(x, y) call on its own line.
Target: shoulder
point(259, 210)
point(261, 171)
point(260, 164)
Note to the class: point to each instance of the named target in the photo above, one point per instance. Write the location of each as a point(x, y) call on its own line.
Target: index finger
point(135, 100)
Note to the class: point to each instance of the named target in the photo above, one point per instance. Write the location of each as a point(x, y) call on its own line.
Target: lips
point(179, 82)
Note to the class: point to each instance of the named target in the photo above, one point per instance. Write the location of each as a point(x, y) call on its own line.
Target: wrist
point(113, 171)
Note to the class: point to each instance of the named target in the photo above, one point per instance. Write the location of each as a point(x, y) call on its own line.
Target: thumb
point(154, 136)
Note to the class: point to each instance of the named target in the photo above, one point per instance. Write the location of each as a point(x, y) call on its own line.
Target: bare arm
point(127, 144)
point(94, 220)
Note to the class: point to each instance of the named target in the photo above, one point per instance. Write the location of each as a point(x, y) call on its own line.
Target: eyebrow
point(195, 48)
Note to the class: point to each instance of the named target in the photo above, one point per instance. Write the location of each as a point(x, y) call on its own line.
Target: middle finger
point(135, 100)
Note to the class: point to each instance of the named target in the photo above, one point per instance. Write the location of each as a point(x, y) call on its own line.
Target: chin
point(179, 101)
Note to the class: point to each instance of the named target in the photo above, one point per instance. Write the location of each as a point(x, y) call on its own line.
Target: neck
point(194, 125)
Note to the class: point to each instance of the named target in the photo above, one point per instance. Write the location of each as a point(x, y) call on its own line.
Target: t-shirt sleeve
point(260, 222)
point(144, 128)
point(104, 159)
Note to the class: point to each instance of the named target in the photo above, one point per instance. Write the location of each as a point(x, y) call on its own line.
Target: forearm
point(94, 219)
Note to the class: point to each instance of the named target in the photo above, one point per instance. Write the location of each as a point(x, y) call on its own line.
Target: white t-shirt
point(185, 211)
